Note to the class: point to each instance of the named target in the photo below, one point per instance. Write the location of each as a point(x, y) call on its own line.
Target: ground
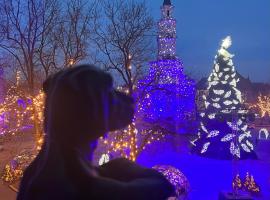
point(11, 149)
point(207, 177)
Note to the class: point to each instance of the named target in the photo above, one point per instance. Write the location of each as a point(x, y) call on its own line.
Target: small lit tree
point(17, 114)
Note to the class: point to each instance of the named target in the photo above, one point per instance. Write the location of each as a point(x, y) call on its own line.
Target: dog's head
point(81, 104)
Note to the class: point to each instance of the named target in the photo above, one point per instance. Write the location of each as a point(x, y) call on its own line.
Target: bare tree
point(123, 37)
point(46, 51)
point(42, 36)
point(23, 23)
point(72, 33)
point(124, 33)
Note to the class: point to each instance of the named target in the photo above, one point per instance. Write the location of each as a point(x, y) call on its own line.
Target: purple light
point(21, 103)
point(166, 95)
point(2, 123)
point(176, 178)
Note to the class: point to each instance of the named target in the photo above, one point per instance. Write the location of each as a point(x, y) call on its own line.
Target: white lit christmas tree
point(223, 131)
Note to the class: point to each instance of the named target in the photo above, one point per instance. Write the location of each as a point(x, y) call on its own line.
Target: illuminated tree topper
point(226, 43)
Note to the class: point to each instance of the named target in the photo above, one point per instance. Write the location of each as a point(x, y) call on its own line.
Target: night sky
point(201, 24)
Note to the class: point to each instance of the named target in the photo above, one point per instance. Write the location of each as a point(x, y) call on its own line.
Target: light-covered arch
point(265, 132)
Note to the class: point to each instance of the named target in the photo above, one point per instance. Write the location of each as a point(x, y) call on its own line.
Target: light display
point(104, 159)
point(14, 113)
point(123, 142)
point(176, 178)
point(263, 105)
point(167, 95)
point(130, 142)
point(237, 183)
point(36, 109)
point(20, 112)
point(223, 131)
point(247, 184)
point(264, 132)
point(167, 33)
point(10, 175)
point(165, 98)
point(250, 185)
point(14, 170)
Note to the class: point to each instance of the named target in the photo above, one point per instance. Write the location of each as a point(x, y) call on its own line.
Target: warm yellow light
point(263, 105)
point(71, 61)
point(17, 115)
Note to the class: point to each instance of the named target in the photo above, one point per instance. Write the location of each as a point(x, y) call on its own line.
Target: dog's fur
point(81, 105)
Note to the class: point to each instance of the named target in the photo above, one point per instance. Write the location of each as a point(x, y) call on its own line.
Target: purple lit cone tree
point(166, 95)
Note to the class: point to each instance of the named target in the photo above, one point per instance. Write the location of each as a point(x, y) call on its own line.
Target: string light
point(176, 178)
point(13, 112)
point(227, 138)
point(104, 159)
point(250, 184)
point(18, 112)
point(14, 170)
point(165, 95)
point(124, 142)
point(266, 133)
point(168, 94)
point(213, 133)
point(237, 183)
point(263, 105)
